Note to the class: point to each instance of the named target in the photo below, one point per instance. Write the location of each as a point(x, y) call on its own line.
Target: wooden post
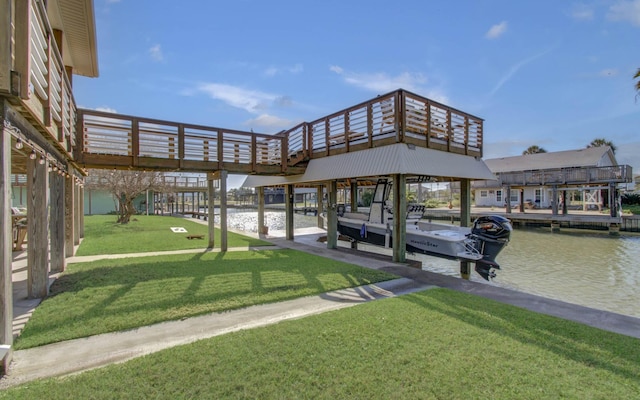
point(262, 230)
point(332, 215)
point(68, 217)
point(399, 233)
point(354, 195)
point(81, 213)
point(37, 230)
point(508, 199)
point(223, 211)
point(56, 222)
point(211, 191)
point(554, 200)
point(320, 205)
point(465, 220)
point(76, 211)
point(289, 198)
point(6, 244)
point(521, 200)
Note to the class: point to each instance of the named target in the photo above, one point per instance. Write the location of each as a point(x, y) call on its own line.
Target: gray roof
point(587, 157)
point(385, 160)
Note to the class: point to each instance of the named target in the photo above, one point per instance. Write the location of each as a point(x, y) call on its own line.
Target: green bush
point(432, 203)
point(630, 199)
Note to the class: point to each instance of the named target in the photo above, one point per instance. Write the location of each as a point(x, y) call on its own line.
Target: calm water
point(581, 267)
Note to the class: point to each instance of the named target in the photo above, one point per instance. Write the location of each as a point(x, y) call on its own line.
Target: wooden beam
point(332, 215)
point(262, 230)
point(6, 243)
point(211, 191)
point(56, 222)
point(399, 218)
point(223, 211)
point(289, 198)
point(37, 229)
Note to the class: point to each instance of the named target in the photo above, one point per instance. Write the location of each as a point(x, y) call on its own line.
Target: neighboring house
point(539, 179)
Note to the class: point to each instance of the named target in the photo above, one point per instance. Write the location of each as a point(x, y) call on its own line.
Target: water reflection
point(581, 267)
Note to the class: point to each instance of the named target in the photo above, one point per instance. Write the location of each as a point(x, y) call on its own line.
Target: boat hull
point(447, 243)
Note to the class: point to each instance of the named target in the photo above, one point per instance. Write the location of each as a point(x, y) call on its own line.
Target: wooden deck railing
point(112, 140)
point(43, 87)
point(567, 176)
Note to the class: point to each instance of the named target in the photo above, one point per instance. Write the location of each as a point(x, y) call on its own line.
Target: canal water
point(589, 268)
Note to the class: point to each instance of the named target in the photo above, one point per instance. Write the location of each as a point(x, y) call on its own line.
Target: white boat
point(479, 244)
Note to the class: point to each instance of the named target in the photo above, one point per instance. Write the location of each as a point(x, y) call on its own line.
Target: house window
point(515, 196)
point(538, 196)
point(499, 196)
point(483, 193)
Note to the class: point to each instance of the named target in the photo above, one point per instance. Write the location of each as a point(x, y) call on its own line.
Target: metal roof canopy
point(399, 158)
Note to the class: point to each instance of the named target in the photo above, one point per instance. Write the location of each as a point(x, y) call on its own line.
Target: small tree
point(125, 186)
point(533, 150)
point(602, 142)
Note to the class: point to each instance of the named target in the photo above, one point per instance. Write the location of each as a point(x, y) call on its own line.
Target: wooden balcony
point(40, 88)
point(120, 141)
point(568, 176)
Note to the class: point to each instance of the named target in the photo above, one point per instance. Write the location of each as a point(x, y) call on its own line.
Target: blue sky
point(556, 74)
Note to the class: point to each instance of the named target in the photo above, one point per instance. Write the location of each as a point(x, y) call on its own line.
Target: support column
point(320, 205)
point(354, 195)
point(399, 233)
point(37, 229)
point(332, 215)
point(81, 213)
point(76, 211)
point(554, 200)
point(508, 199)
point(56, 223)
point(6, 245)
point(613, 203)
point(564, 203)
point(223, 211)
point(262, 230)
point(289, 197)
point(69, 225)
point(521, 197)
point(211, 192)
point(465, 221)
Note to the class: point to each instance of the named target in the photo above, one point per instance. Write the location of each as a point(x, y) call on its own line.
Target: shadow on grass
point(110, 295)
point(589, 346)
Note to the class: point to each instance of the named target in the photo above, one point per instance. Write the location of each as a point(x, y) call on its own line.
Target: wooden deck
point(121, 141)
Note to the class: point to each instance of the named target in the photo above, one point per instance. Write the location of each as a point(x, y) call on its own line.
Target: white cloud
point(252, 101)
point(380, 82)
point(496, 30)
point(294, 69)
point(269, 122)
point(106, 109)
point(582, 12)
point(156, 53)
point(624, 10)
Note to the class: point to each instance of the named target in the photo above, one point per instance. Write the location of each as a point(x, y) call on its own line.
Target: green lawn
point(119, 294)
point(149, 233)
point(437, 344)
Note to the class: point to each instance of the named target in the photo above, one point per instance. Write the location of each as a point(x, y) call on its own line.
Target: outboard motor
point(491, 234)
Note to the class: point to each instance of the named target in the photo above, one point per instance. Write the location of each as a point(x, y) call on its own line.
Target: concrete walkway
point(82, 354)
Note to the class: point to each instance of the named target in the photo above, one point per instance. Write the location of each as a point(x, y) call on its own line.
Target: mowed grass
point(119, 294)
point(103, 235)
point(437, 344)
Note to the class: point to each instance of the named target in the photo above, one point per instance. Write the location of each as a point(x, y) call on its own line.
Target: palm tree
point(533, 150)
point(602, 142)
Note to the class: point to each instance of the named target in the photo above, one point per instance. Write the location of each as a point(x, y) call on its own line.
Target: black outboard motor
point(491, 233)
